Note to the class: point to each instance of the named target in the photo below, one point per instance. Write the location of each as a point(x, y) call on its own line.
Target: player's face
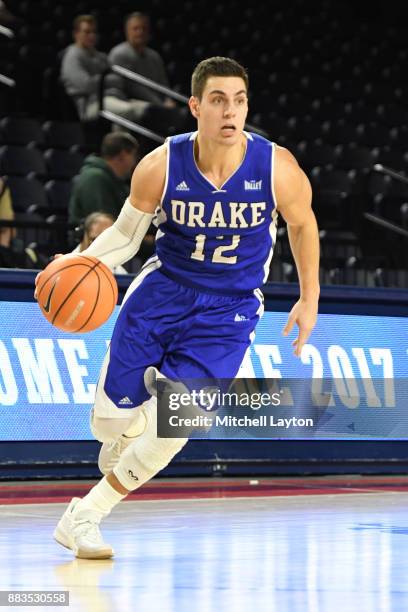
point(222, 110)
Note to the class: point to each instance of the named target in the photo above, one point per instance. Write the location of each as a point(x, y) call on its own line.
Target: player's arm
point(122, 240)
point(294, 201)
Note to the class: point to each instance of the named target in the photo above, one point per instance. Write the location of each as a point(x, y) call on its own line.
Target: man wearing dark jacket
point(102, 185)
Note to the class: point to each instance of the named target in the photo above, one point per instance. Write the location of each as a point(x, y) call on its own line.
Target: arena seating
point(327, 81)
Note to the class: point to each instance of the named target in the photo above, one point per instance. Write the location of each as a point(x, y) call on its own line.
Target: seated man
point(82, 68)
point(102, 185)
point(136, 56)
point(103, 182)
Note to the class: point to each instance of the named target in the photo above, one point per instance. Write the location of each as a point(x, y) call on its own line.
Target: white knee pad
point(109, 429)
point(148, 454)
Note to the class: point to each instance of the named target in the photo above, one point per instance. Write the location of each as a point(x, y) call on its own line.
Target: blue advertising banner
point(48, 377)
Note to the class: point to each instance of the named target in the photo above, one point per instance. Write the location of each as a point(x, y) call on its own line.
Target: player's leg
point(78, 528)
point(147, 455)
point(116, 418)
point(114, 426)
point(120, 393)
point(210, 345)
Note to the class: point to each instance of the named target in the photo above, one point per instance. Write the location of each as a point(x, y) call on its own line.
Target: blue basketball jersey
point(217, 240)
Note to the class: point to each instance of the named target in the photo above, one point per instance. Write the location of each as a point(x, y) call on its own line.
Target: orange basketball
point(77, 293)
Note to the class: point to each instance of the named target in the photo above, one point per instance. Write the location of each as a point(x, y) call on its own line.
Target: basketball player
point(216, 194)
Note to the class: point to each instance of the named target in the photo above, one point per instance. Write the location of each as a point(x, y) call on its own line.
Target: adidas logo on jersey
point(253, 185)
point(182, 186)
point(125, 401)
point(239, 318)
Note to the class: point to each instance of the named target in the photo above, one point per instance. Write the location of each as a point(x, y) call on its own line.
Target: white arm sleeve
point(122, 240)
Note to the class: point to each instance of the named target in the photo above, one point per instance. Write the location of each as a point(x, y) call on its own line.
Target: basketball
point(77, 293)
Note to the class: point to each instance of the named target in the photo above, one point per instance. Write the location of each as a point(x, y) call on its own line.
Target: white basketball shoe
point(78, 530)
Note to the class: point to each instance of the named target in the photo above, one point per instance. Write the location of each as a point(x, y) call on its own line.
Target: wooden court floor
point(332, 545)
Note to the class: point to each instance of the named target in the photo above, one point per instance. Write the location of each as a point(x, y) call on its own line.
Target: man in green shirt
point(102, 184)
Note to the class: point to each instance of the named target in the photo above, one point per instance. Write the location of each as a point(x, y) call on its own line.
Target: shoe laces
point(88, 523)
point(89, 529)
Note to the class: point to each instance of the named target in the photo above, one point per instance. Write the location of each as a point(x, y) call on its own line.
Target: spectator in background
point(135, 55)
point(7, 234)
point(13, 253)
point(102, 184)
point(82, 68)
point(95, 224)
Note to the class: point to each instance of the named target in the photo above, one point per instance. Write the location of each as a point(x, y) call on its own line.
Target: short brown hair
point(94, 217)
point(114, 143)
point(90, 19)
point(136, 15)
point(215, 66)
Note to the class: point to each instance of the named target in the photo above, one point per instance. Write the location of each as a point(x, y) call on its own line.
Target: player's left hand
point(304, 314)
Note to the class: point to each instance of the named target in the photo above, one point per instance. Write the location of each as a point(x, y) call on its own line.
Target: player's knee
point(108, 430)
point(141, 461)
point(158, 455)
point(147, 455)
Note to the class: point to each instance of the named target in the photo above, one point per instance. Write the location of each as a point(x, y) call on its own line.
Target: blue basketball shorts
point(183, 332)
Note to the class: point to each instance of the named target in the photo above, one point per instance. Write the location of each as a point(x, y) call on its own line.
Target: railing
point(5, 80)
point(52, 234)
point(6, 32)
point(35, 223)
point(386, 224)
point(395, 175)
point(131, 125)
point(380, 220)
point(138, 78)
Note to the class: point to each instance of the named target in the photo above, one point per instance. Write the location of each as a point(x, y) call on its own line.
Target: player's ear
point(194, 104)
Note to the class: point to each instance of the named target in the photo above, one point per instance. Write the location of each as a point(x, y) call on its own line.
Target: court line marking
point(200, 499)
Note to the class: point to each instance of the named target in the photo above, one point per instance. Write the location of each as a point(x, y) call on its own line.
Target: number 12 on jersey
point(218, 256)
